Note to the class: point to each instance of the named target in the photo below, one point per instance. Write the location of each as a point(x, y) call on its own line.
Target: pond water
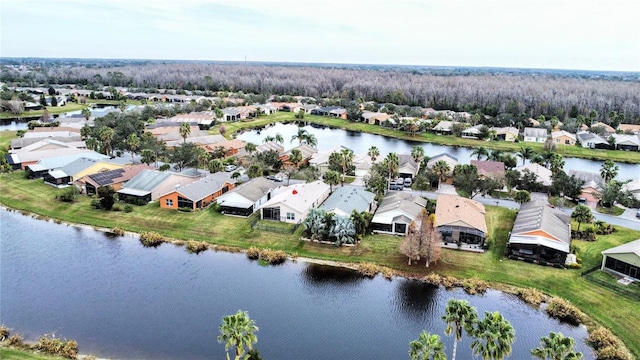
point(360, 143)
point(120, 300)
point(21, 124)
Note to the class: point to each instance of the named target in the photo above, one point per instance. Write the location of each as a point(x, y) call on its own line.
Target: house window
point(291, 216)
point(168, 202)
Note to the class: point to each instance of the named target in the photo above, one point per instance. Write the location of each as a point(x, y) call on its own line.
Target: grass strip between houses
point(604, 306)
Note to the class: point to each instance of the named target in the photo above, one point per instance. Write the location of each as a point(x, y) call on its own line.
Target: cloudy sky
point(561, 34)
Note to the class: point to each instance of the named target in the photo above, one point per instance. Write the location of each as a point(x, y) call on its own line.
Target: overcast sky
point(561, 34)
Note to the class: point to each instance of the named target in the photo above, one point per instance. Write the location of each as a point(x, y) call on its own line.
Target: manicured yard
point(15, 354)
point(604, 306)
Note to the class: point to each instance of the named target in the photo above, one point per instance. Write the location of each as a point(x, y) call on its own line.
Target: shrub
point(117, 231)
point(151, 238)
point(197, 246)
point(474, 286)
point(70, 194)
point(95, 203)
point(387, 273)
point(273, 257)
point(450, 282)
point(575, 266)
point(613, 353)
point(128, 208)
point(52, 346)
point(530, 296)
point(601, 338)
point(4, 332)
point(116, 207)
point(185, 209)
point(432, 279)
point(368, 269)
point(253, 253)
point(15, 340)
point(563, 310)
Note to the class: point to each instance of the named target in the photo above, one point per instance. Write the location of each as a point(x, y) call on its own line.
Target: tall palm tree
point(427, 347)
point(278, 138)
point(417, 153)
point(496, 155)
point(185, 131)
point(373, 153)
point(295, 158)
point(556, 163)
point(133, 141)
point(459, 315)
point(106, 135)
point(268, 138)
point(346, 159)
point(608, 171)
point(86, 113)
point(332, 178)
point(525, 153)
point(582, 214)
point(203, 158)
point(311, 140)
point(480, 152)
point(301, 135)
point(250, 148)
point(442, 169)
point(392, 163)
point(556, 347)
point(493, 337)
point(238, 331)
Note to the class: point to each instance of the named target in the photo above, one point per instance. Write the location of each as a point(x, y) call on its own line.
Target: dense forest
point(522, 92)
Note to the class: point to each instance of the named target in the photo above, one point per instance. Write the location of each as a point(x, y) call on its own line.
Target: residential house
point(375, 118)
point(149, 185)
point(79, 168)
point(231, 147)
point(591, 140)
point(308, 108)
point(623, 260)
point(37, 169)
point(307, 152)
point(627, 142)
point(346, 199)
point(333, 111)
point(592, 186)
point(608, 130)
point(320, 159)
point(629, 128)
point(563, 138)
point(289, 107)
point(408, 168)
point(202, 141)
point(444, 127)
point(538, 135)
point(89, 184)
point(396, 212)
point(246, 198)
point(489, 169)
point(451, 160)
point(634, 187)
point(472, 132)
point(508, 133)
point(199, 194)
point(540, 234)
point(460, 220)
point(543, 175)
point(72, 141)
point(292, 203)
point(534, 122)
point(362, 164)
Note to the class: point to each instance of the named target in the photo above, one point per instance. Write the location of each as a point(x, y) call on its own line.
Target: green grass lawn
point(70, 106)
point(603, 305)
point(16, 354)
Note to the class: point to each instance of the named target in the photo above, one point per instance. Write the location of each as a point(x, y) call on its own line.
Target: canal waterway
point(120, 300)
point(329, 138)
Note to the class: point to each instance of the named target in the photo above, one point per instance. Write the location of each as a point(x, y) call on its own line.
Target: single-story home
point(408, 168)
point(77, 169)
point(396, 212)
point(471, 132)
point(460, 220)
point(39, 169)
point(563, 138)
point(535, 134)
point(623, 260)
point(607, 129)
point(540, 234)
point(627, 142)
point(198, 194)
point(345, 199)
point(149, 185)
point(307, 152)
point(292, 203)
point(443, 127)
point(591, 140)
point(508, 133)
point(246, 198)
point(375, 118)
point(320, 159)
point(451, 160)
point(489, 169)
point(630, 128)
point(543, 175)
point(114, 178)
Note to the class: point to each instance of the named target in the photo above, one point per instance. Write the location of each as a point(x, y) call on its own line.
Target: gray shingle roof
point(535, 132)
point(78, 165)
point(254, 189)
point(147, 180)
point(349, 198)
point(538, 215)
point(204, 187)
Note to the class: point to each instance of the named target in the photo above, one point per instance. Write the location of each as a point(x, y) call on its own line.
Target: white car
point(230, 168)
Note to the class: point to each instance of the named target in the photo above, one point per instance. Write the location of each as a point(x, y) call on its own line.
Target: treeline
point(488, 93)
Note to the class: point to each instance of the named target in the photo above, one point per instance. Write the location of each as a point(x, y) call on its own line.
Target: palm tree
point(417, 153)
point(215, 166)
point(311, 140)
point(250, 148)
point(278, 138)
point(459, 314)
point(301, 135)
point(133, 141)
point(268, 138)
point(427, 347)
point(373, 153)
point(480, 152)
point(392, 163)
point(185, 131)
point(442, 169)
point(493, 337)
point(147, 156)
point(332, 178)
point(106, 135)
point(496, 155)
point(122, 105)
point(556, 163)
point(608, 171)
point(92, 144)
point(203, 158)
point(295, 158)
point(525, 153)
point(86, 113)
point(238, 331)
point(346, 159)
point(556, 347)
point(582, 213)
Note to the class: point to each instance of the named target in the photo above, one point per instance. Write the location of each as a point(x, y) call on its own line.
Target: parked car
point(230, 168)
point(276, 178)
point(638, 213)
point(397, 184)
point(407, 182)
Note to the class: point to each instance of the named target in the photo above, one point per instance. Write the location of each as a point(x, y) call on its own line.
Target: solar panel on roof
point(107, 176)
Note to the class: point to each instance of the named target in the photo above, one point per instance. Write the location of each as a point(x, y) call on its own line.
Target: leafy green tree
point(608, 171)
point(582, 214)
point(427, 347)
point(459, 315)
point(185, 155)
point(342, 230)
point(332, 178)
point(43, 100)
point(215, 166)
point(361, 221)
point(254, 171)
point(134, 143)
point(185, 131)
point(203, 158)
point(493, 337)
point(238, 331)
point(466, 179)
point(525, 153)
point(373, 153)
point(250, 148)
point(522, 197)
point(610, 193)
point(147, 156)
point(106, 197)
point(480, 152)
point(54, 101)
point(556, 347)
point(122, 105)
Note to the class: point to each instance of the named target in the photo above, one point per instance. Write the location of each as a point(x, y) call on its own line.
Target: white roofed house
point(472, 132)
point(623, 260)
point(591, 140)
point(346, 199)
point(563, 138)
point(408, 168)
point(627, 142)
point(538, 135)
point(541, 234)
point(292, 203)
point(247, 198)
point(396, 212)
point(543, 175)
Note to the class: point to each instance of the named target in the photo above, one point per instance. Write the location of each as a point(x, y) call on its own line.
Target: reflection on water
point(121, 300)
